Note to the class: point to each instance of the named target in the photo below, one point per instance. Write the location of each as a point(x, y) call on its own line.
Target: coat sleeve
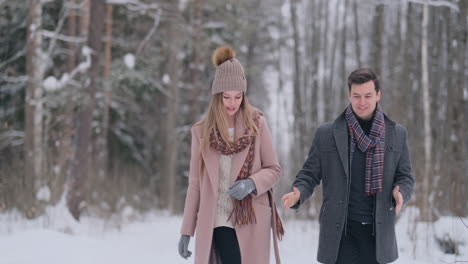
point(403, 176)
point(192, 200)
point(310, 175)
point(270, 173)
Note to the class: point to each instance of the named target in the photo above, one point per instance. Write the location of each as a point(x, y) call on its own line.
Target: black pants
point(227, 247)
point(358, 245)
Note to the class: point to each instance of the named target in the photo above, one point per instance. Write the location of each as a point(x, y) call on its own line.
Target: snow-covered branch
point(157, 17)
point(135, 5)
point(14, 79)
point(64, 13)
point(11, 137)
point(448, 4)
point(72, 5)
point(160, 87)
point(54, 35)
point(121, 131)
point(51, 83)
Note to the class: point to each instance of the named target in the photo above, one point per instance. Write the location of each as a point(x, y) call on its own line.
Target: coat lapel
point(239, 158)
point(340, 132)
point(389, 142)
point(211, 158)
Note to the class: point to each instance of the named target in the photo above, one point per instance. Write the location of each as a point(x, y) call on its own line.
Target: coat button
point(337, 225)
point(340, 202)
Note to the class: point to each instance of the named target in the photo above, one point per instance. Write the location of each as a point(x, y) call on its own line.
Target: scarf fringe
point(243, 212)
point(279, 226)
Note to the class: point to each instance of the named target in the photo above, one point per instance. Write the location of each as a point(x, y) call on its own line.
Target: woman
point(233, 167)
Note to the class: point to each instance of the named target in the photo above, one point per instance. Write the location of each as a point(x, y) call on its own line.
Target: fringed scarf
point(242, 211)
point(373, 145)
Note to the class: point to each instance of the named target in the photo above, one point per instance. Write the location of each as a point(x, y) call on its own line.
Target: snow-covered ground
point(153, 239)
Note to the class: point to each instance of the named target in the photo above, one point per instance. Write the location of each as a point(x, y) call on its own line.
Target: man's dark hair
point(363, 75)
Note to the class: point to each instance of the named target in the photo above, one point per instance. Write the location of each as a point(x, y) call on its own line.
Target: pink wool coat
point(202, 195)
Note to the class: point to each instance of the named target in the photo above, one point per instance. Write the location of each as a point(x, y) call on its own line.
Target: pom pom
point(223, 54)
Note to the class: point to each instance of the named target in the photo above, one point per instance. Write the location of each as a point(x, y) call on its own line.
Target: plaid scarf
point(373, 145)
point(242, 209)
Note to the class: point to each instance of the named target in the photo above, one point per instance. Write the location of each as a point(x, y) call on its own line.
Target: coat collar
point(340, 133)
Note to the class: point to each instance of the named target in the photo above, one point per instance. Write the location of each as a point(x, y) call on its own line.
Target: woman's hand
point(240, 189)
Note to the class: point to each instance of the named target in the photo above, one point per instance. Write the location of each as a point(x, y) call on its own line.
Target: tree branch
point(461, 219)
point(134, 5)
point(53, 35)
point(19, 54)
point(448, 4)
point(14, 79)
point(157, 17)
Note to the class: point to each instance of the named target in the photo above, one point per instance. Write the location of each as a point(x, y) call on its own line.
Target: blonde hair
point(216, 118)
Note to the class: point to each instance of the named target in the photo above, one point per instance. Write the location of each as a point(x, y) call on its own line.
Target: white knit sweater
point(224, 204)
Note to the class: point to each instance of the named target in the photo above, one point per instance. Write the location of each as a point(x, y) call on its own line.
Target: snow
point(166, 79)
point(43, 194)
point(56, 238)
point(214, 25)
point(129, 60)
point(51, 84)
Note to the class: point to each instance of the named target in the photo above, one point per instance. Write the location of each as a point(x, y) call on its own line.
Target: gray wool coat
point(328, 162)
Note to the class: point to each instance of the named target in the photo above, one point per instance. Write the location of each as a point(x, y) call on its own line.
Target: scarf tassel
point(279, 226)
point(243, 212)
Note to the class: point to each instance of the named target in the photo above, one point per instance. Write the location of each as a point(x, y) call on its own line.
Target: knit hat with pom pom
point(229, 74)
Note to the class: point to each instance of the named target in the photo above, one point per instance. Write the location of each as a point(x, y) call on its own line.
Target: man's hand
point(290, 199)
point(398, 198)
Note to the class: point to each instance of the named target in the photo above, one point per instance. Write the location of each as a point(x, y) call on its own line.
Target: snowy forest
point(97, 97)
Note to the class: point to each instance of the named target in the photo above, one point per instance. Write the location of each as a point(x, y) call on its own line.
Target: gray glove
point(240, 189)
point(183, 246)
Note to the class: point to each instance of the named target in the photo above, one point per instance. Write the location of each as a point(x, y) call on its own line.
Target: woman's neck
point(231, 121)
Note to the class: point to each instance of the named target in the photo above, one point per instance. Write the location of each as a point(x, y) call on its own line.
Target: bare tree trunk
point(427, 115)
point(251, 59)
point(330, 91)
point(406, 73)
point(377, 39)
point(343, 91)
point(196, 66)
point(299, 128)
point(65, 151)
point(77, 192)
point(340, 33)
point(321, 108)
point(458, 192)
point(102, 135)
point(439, 79)
point(173, 104)
point(464, 78)
point(356, 34)
point(33, 146)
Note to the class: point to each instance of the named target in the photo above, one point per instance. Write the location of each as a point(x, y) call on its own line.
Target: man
point(363, 161)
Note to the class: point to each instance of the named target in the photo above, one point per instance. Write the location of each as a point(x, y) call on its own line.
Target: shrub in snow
point(449, 245)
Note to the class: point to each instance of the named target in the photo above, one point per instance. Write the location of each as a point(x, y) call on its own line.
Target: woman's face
point(232, 101)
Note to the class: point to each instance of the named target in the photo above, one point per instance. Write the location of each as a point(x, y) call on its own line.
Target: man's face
point(364, 99)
